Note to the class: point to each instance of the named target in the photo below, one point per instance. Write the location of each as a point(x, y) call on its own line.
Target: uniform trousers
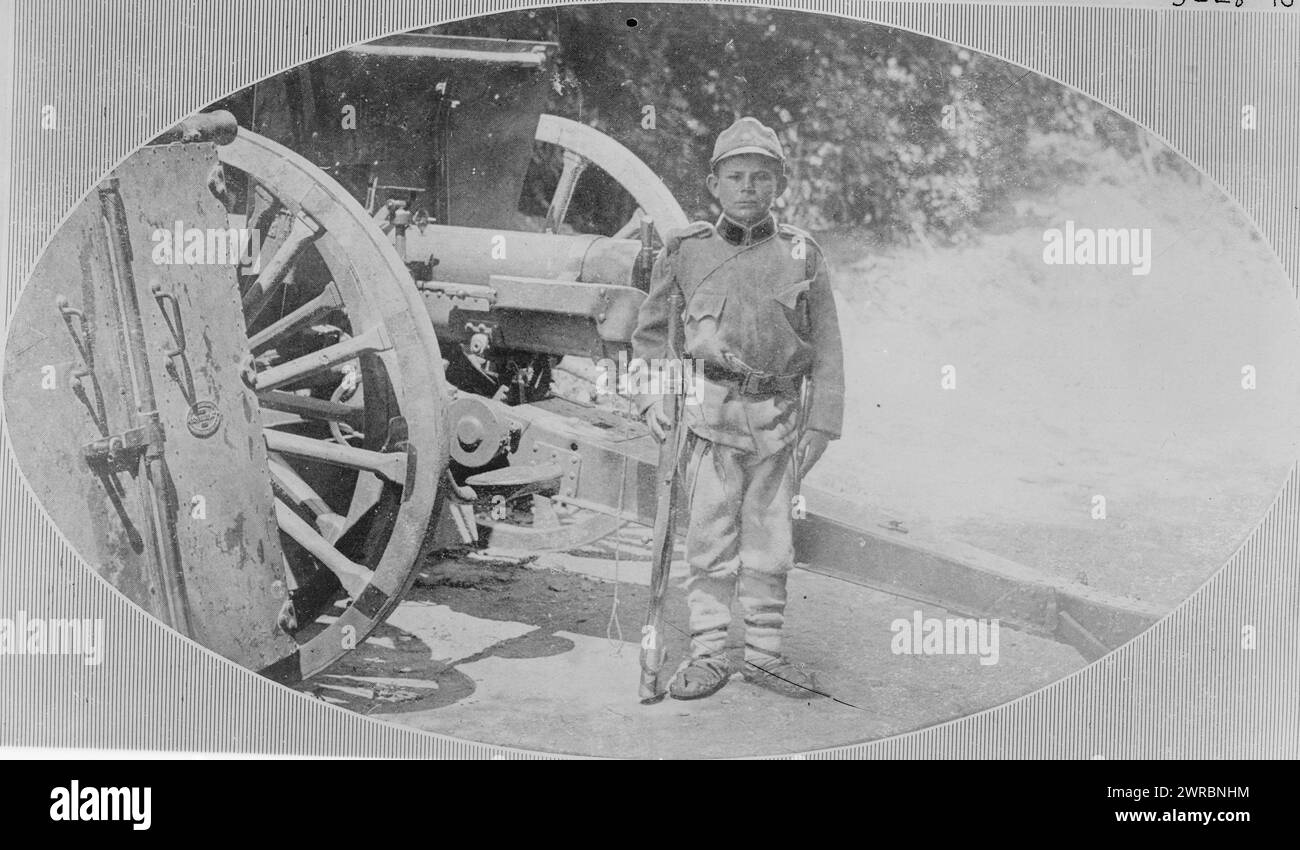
point(739, 545)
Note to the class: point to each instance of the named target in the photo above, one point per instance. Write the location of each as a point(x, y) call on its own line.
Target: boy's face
point(746, 185)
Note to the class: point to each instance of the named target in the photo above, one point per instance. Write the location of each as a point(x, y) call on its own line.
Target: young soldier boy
point(760, 318)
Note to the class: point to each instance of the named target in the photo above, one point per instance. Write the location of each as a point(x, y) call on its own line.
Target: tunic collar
point(738, 234)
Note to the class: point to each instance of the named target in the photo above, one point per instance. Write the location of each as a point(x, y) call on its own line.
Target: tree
point(882, 128)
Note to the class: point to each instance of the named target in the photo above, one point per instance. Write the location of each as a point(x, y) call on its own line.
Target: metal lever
point(175, 323)
point(83, 342)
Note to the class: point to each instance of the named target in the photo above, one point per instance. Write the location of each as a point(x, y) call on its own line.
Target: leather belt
point(754, 382)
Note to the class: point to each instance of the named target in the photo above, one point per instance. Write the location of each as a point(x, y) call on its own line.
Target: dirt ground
point(525, 653)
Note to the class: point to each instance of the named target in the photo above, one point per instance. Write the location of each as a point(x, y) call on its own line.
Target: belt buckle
point(752, 384)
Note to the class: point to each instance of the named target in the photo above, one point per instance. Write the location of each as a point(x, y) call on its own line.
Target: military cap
point(747, 135)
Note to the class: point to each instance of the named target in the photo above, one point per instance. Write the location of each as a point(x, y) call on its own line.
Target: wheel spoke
point(262, 204)
point(272, 274)
point(629, 230)
point(390, 466)
point(574, 165)
point(300, 494)
point(374, 340)
point(352, 576)
point(306, 407)
point(329, 299)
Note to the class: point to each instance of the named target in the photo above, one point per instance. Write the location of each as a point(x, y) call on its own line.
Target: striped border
point(1183, 689)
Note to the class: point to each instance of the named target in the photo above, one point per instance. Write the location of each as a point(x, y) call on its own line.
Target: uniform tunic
point(756, 298)
point(766, 301)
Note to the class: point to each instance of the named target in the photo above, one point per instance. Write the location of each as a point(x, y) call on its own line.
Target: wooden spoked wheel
point(585, 146)
point(345, 366)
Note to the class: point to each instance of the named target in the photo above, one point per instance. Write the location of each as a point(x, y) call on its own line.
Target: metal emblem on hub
point(203, 419)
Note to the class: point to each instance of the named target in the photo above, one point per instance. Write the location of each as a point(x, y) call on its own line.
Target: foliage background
point(859, 108)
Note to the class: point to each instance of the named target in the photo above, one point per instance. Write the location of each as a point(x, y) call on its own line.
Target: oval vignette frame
point(1230, 596)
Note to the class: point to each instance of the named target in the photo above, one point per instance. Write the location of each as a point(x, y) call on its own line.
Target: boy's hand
point(810, 450)
point(658, 421)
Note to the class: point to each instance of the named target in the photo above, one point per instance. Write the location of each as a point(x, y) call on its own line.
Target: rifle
point(796, 457)
point(653, 649)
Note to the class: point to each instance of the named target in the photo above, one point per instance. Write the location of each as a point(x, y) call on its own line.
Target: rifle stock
point(653, 645)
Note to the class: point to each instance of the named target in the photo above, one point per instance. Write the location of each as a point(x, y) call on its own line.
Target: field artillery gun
point(292, 345)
